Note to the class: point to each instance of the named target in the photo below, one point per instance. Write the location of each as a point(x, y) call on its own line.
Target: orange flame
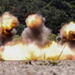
point(22, 51)
point(8, 22)
point(68, 31)
point(34, 20)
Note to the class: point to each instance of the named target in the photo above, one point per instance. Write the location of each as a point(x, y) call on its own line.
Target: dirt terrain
point(66, 67)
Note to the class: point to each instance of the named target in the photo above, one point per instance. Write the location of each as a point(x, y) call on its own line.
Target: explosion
point(34, 44)
point(8, 23)
point(34, 21)
point(67, 36)
point(36, 32)
point(67, 32)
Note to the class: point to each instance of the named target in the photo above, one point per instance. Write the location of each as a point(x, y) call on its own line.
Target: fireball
point(8, 21)
point(68, 31)
point(15, 52)
point(34, 20)
point(22, 51)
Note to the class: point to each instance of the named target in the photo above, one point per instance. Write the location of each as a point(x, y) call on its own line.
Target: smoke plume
point(38, 33)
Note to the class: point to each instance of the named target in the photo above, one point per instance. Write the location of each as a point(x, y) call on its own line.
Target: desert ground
point(63, 67)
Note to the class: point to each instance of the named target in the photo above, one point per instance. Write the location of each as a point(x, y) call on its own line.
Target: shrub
point(20, 28)
point(52, 37)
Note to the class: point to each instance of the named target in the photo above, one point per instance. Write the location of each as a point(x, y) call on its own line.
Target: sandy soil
point(66, 67)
